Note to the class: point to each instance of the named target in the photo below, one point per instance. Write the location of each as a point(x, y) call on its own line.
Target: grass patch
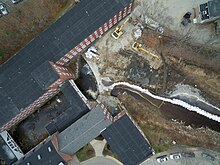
point(150, 121)
point(158, 141)
point(7, 32)
point(85, 153)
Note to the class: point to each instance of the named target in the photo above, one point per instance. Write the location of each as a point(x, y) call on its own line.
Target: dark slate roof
point(45, 75)
point(43, 154)
point(127, 142)
point(77, 108)
point(214, 7)
point(17, 86)
point(204, 11)
point(210, 9)
point(7, 109)
point(82, 131)
point(5, 152)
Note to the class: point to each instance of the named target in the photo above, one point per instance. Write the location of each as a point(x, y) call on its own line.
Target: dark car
point(208, 156)
point(186, 19)
point(188, 154)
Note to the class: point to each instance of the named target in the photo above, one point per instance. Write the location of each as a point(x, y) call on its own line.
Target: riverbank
point(171, 111)
point(163, 130)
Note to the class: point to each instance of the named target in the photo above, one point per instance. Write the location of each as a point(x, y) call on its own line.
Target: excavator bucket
point(135, 46)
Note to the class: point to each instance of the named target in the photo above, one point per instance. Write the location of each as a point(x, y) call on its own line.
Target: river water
point(171, 111)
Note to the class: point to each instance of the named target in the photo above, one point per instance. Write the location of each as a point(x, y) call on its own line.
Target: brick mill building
point(36, 73)
point(121, 133)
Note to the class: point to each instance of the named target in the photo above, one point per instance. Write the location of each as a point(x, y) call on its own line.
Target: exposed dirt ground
point(169, 14)
point(198, 66)
point(25, 20)
point(181, 62)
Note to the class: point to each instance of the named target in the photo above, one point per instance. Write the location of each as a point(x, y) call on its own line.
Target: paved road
point(197, 160)
point(99, 160)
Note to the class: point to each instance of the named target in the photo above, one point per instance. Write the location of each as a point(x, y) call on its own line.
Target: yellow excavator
point(138, 47)
point(118, 30)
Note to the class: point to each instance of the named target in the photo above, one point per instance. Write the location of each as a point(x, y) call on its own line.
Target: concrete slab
point(98, 146)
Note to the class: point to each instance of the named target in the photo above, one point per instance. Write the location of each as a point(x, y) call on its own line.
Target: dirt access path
point(25, 20)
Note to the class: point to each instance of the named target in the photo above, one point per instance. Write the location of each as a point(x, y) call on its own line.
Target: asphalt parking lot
point(192, 156)
point(99, 161)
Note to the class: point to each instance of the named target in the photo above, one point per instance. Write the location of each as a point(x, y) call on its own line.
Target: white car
point(175, 156)
point(3, 9)
point(162, 159)
point(15, 1)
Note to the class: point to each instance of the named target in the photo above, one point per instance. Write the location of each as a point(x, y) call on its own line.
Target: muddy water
point(86, 80)
point(170, 111)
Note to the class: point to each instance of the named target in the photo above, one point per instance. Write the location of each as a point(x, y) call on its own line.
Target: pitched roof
point(76, 108)
point(44, 154)
point(18, 88)
point(214, 7)
point(127, 142)
point(82, 131)
point(45, 75)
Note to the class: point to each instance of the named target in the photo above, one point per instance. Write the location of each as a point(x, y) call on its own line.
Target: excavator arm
point(121, 27)
point(118, 30)
point(137, 47)
point(148, 52)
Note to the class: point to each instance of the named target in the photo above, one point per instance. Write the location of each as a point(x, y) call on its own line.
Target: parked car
point(175, 156)
point(188, 154)
point(186, 19)
point(15, 1)
point(208, 156)
point(162, 159)
point(3, 9)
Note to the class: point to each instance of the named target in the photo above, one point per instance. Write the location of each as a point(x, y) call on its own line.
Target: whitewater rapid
point(172, 101)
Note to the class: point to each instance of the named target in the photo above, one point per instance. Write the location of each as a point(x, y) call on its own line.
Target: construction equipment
point(186, 19)
point(118, 30)
point(138, 47)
